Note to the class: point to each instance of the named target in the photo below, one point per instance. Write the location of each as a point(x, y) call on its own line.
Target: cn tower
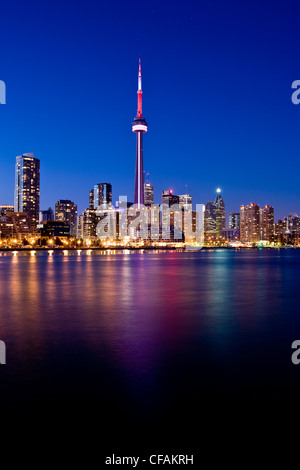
point(139, 126)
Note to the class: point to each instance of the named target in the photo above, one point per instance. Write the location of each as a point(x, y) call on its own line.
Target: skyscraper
point(66, 211)
point(27, 186)
point(148, 193)
point(210, 229)
point(234, 220)
point(139, 126)
point(91, 199)
point(167, 197)
point(102, 194)
point(185, 201)
point(220, 213)
point(266, 223)
point(249, 223)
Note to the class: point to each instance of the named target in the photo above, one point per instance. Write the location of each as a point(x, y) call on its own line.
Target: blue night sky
point(217, 81)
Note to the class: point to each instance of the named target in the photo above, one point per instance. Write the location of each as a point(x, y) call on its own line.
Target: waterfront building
point(27, 186)
point(249, 223)
point(266, 223)
point(4, 208)
point(220, 214)
point(66, 211)
point(210, 225)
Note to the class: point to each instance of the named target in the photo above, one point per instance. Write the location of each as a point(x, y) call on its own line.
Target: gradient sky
point(217, 81)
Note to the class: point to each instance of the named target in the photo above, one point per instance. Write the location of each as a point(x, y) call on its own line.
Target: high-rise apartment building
point(27, 186)
point(266, 223)
point(249, 223)
point(66, 211)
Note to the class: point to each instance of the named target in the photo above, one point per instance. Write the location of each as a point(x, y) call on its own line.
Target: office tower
point(46, 215)
point(249, 223)
point(27, 186)
point(66, 211)
point(185, 201)
point(189, 217)
point(234, 220)
point(102, 194)
point(148, 192)
point(91, 199)
point(167, 197)
point(266, 223)
point(210, 224)
point(220, 213)
point(139, 126)
point(88, 224)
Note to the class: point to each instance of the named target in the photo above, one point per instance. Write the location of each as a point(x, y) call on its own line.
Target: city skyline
point(216, 106)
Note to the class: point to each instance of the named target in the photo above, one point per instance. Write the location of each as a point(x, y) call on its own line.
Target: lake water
point(149, 341)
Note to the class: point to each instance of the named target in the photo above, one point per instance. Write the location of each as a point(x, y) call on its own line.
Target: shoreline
point(147, 248)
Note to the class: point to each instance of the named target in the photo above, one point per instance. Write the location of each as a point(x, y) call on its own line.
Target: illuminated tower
point(139, 126)
point(220, 213)
point(27, 186)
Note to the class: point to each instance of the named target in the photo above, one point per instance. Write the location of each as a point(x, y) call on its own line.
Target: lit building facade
point(234, 220)
point(220, 214)
point(27, 186)
point(91, 199)
point(148, 194)
point(102, 194)
point(66, 211)
point(266, 223)
point(250, 223)
point(167, 197)
point(4, 208)
point(185, 201)
point(210, 225)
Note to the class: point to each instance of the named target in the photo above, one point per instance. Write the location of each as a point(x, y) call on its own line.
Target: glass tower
point(27, 186)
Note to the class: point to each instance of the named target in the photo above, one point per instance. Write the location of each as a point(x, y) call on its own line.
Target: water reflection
point(149, 319)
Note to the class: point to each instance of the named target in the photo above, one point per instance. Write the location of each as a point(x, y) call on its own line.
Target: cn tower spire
point(139, 92)
point(139, 126)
